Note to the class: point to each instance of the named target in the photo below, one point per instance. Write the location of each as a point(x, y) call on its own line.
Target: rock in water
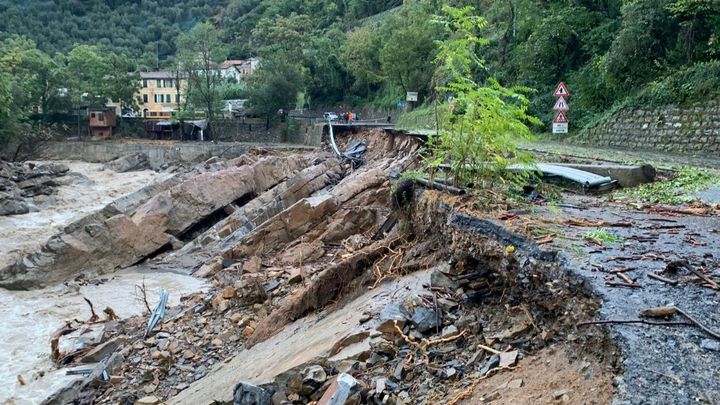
point(10, 205)
point(128, 163)
point(249, 394)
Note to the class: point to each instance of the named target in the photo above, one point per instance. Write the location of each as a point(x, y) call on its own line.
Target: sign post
point(561, 122)
point(411, 97)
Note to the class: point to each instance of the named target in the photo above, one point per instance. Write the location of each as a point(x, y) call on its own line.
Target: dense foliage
point(144, 29)
point(483, 121)
point(35, 85)
point(371, 52)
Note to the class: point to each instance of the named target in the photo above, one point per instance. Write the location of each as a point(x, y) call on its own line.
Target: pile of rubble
point(19, 183)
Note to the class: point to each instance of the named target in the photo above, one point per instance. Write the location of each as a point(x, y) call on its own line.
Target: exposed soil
point(549, 376)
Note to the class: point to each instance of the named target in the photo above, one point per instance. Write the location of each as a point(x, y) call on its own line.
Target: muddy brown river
point(30, 317)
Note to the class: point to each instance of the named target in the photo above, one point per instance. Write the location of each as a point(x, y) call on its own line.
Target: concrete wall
point(159, 153)
point(671, 128)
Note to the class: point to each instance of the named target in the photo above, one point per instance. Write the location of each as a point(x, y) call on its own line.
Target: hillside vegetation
point(356, 52)
point(141, 28)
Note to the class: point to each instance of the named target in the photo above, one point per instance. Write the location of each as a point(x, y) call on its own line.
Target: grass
point(420, 118)
point(680, 190)
point(602, 236)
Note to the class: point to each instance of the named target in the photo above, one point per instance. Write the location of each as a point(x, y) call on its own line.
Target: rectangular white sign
point(560, 128)
point(412, 96)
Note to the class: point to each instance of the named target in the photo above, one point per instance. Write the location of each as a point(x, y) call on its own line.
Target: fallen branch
point(94, 317)
point(141, 294)
point(698, 324)
point(469, 390)
point(631, 285)
point(444, 340)
point(625, 278)
point(663, 279)
point(622, 270)
point(588, 223)
point(659, 312)
point(489, 349)
point(630, 321)
point(713, 284)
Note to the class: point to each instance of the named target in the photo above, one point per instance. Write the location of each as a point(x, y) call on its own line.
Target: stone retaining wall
point(671, 128)
point(159, 153)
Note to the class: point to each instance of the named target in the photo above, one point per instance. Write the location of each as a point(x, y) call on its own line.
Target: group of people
point(349, 117)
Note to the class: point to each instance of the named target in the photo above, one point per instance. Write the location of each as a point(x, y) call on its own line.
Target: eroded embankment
point(450, 284)
point(314, 288)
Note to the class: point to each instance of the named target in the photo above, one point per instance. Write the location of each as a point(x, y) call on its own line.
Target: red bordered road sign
point(560, 118)
point(561, 104)
point(561, 90)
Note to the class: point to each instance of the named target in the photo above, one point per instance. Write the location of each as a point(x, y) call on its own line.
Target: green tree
point(408, 50)
point(274, 86)
point(122, 80)
point(199, 52)
point(478, 136)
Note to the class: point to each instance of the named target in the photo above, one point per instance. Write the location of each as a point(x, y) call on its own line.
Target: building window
point(101, 116)
point(145, 98)
point(92, 115)
point(158, 98)
point(158, 83)
point(145, 83)
point(177, 98)
point(167, 98)
point(168, 83)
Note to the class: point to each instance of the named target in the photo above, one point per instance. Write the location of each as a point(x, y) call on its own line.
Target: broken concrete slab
point(626, 175)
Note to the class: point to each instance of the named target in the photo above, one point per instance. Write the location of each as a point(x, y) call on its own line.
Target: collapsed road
point(329, 279)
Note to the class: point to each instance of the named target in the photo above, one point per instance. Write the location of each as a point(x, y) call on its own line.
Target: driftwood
point(629, 285)
point(655, 312)
point(663, 279)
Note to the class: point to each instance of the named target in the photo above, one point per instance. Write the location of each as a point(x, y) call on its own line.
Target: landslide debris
point(313, 296)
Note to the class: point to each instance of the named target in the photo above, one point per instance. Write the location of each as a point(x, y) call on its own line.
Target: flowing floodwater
point(29, 318)
point(80, 195)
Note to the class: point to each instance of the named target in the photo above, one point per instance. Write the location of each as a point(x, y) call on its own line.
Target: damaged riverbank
point(328, 278)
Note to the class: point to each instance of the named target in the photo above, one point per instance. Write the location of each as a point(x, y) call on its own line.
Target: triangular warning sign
point(560, 118)
point(561, 104)
point(561, 90)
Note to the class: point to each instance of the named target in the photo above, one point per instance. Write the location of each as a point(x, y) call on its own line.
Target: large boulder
point(123, 239)
point(128, 163)
point(12, 205)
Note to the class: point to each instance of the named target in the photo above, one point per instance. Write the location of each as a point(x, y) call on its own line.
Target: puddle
point(30, 317)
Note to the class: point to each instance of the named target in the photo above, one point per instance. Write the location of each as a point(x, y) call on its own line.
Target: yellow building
point(160, 94)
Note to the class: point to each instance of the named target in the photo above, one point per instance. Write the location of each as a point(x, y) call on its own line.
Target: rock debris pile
point(19, 183)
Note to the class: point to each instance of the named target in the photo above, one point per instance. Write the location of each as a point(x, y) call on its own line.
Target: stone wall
point(671, 128)
point(159, 152)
